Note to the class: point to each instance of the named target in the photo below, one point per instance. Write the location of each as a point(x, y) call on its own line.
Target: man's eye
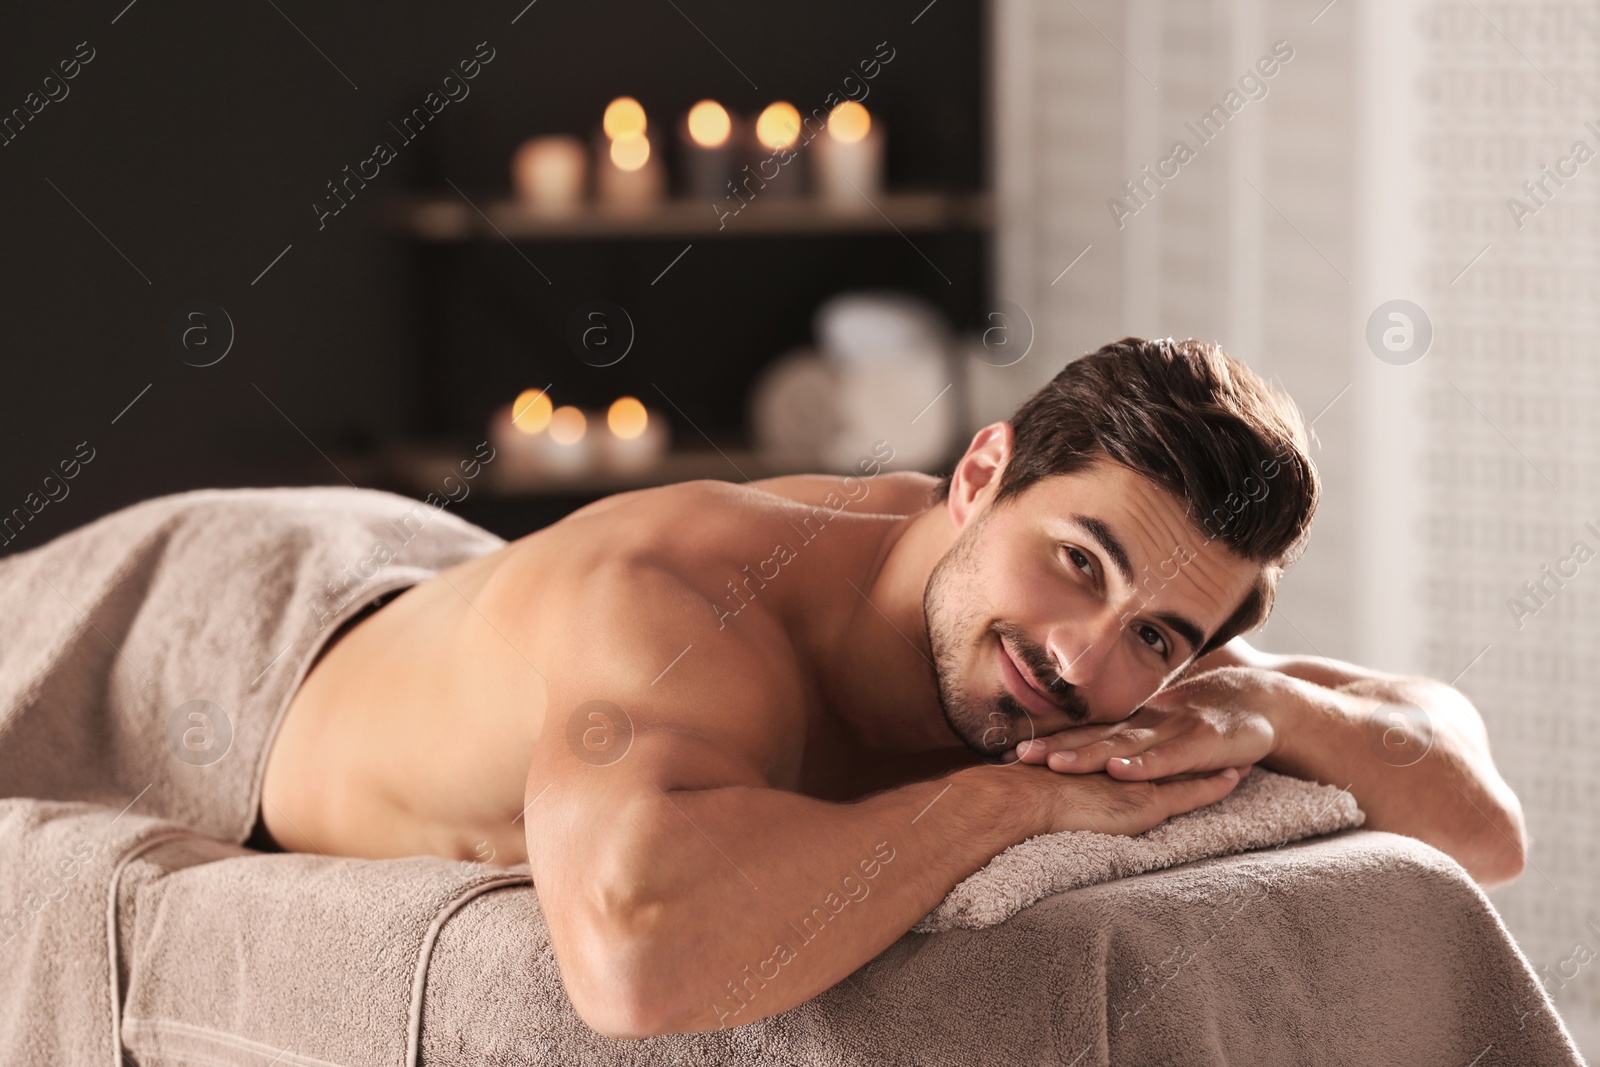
point(1152, 637)
point(1080, 560)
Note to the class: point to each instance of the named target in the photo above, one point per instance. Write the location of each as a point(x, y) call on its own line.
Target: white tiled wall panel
point(1378, 165)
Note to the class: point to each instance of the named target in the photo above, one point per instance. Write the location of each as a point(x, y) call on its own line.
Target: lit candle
point(548, 174)
point(778, 125)
point(629, 172)
point(623, 116)
point(636, 438)
point(568, 447)
point(849, 170)
point(515, 431)
point(774, 170)
point(707, 150)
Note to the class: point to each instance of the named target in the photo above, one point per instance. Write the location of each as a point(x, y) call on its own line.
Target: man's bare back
point(413, 732)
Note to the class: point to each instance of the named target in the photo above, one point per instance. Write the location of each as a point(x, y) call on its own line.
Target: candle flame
point(709, 124)
point(567, 425)
point(624, 116)
point(778, 126)
point(530, 412)
point(627, 418)
point(849, 122)
point(630, 151)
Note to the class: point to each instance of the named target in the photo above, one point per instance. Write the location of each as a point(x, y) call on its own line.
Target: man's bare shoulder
point(677, 527)
point(890, 493)
point(695, 529)
point(617, 606)
point(709, 500)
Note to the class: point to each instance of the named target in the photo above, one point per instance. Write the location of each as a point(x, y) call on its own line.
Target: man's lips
point(1022, 687)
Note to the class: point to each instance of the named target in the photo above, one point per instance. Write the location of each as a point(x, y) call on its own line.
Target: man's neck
point(876, 669)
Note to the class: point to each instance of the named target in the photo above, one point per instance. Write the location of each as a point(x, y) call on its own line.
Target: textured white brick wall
point(1378, 166)
point(1512, 410)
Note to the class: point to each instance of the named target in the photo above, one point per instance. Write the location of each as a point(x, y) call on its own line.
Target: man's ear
point(976, 477)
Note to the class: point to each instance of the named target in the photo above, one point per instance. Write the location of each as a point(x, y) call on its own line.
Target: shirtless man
point(700, 710)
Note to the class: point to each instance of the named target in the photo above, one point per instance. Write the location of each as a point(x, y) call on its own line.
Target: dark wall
point(187, 154)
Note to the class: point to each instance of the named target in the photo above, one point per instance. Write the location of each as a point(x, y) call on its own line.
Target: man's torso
point(413, 733)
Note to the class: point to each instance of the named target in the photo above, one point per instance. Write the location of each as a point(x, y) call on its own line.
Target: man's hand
point(1412, 751)
point(1227, 717)
point(1103, 804)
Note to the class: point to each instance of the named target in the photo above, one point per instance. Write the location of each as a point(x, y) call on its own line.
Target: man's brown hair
point(1196, 422)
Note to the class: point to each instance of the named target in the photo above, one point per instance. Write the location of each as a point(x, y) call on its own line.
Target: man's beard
point(950, 610)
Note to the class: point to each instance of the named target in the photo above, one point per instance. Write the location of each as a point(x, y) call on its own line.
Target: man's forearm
point(759, 899)
point(1413, 751)
point(1427, 775)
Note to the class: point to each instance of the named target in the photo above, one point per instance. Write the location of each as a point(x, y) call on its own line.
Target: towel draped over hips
point(152, 653)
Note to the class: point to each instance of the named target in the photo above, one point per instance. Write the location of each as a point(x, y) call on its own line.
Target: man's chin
point(991, 738)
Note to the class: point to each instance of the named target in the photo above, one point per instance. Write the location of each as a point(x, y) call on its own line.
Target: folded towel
point(1263, 810)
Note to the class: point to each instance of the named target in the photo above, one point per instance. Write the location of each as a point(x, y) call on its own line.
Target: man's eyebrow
point(1108, 543)
point(1183, 627)
point(1101, 534)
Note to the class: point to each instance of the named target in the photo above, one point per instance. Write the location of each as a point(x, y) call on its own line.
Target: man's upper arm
point(645, 695)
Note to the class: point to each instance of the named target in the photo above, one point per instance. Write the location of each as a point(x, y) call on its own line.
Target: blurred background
point(620, 244)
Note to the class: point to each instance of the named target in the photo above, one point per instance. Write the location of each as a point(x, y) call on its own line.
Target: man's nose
point(1080, 646)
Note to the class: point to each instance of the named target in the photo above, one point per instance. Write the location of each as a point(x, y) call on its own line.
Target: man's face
point(1092, 586)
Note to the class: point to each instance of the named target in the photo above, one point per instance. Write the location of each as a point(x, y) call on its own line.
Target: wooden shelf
point(422, 469)
point(452, 219)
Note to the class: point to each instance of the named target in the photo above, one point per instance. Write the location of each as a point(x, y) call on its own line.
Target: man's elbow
point(621, 1014)
point(1500, 871)
point(620, 978)
point(1502, 853)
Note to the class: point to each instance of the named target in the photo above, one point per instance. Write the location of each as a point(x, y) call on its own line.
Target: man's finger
point(1094, 756)
point(1175, 798)
point(1180, 755)
point(1073, 737)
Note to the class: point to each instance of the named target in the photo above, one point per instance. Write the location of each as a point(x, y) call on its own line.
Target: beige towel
point(152, 652)
point(1356, 948)
point(1265, 809)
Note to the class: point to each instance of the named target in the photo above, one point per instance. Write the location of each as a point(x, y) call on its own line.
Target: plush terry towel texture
point(1359, 948)
point(131, 918)
point(1263, 810)
point(210, 603)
